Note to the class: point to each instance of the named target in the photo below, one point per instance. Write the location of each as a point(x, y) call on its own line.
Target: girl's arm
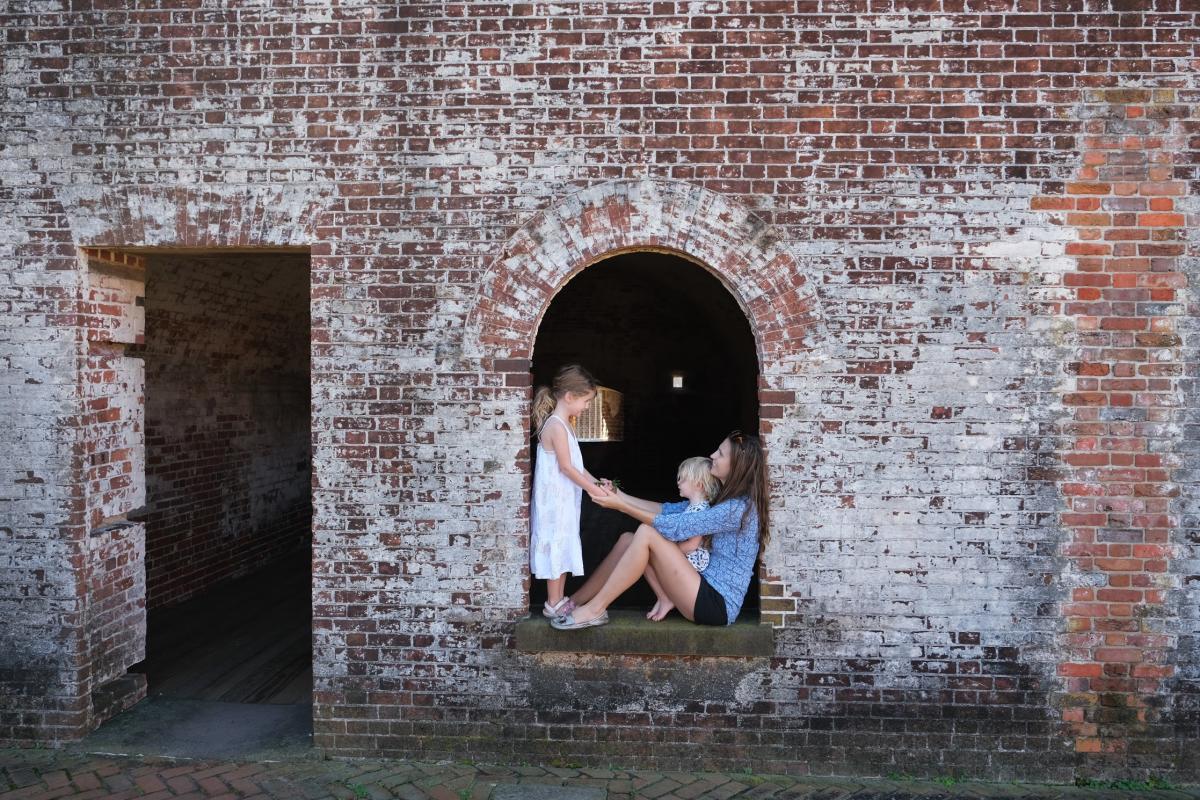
point(556, 439)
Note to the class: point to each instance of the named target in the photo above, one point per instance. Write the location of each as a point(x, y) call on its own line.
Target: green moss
point(630, 633)
point(1151, 784)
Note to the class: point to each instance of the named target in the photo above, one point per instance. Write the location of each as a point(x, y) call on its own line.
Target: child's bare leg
point(658, 612)
point(664, 605)
point(554, 589)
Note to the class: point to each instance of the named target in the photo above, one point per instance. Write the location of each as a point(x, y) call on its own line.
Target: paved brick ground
point(48, 775)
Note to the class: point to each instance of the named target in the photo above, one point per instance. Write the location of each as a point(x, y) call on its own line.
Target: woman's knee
point(648, 534)
point(644, 530)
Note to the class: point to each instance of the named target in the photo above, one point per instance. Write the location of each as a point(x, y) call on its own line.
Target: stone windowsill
point(629, 632)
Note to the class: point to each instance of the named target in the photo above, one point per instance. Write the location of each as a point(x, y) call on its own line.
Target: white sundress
point(554, 546)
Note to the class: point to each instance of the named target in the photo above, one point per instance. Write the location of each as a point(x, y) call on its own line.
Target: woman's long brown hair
point(748, 478)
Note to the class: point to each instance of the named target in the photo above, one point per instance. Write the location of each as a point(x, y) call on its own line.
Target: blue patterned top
point(734, 545)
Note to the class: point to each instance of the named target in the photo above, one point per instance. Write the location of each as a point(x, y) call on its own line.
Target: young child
point(559, 481)
point(698, 486)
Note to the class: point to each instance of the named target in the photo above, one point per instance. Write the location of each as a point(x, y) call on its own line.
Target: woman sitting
point(737, 521)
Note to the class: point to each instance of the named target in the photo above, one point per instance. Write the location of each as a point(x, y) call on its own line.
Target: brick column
point(113, 451)
point(1117, 482)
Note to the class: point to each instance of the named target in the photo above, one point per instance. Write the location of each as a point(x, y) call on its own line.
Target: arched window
point(676, 356)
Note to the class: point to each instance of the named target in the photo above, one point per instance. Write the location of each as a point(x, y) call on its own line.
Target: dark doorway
point(228, 477)
point(642, 323)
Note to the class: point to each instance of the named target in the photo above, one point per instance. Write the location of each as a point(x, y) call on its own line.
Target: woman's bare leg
point(679, 580)
point(600, 574)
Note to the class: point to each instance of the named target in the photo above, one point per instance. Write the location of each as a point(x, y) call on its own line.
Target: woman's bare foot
point(660, 610)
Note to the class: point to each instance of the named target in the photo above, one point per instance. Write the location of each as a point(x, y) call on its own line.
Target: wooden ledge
point(629, 632)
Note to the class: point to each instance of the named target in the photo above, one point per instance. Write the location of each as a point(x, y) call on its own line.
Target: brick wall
point(116, 594)
point(43, 691)
point(227, 420)
point(884, 191)
point(111, 438)
point(1125, 297)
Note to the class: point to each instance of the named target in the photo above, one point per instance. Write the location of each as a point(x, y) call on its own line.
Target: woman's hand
point(609, 500)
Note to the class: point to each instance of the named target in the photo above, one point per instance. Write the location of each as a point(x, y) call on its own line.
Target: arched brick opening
point(667, 334)
point(744, 253)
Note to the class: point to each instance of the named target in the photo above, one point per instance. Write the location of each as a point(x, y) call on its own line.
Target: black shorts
point(710, 606)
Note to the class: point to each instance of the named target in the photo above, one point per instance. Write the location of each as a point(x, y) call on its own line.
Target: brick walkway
point(48, 775)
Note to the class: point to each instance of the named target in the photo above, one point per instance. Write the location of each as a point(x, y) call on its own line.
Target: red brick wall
point(116, 595)
point(113, 441)
point(1126, 296)
point(227, 422)
point(869, 182)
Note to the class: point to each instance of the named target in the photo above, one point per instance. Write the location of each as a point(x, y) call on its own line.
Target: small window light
point(603, 420)
point(676, 380)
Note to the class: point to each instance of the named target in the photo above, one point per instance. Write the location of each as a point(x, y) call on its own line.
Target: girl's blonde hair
point(699, 469)
point(570, 378)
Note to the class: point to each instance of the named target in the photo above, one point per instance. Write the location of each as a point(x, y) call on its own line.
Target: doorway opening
point(671, 339)
point(228, 477)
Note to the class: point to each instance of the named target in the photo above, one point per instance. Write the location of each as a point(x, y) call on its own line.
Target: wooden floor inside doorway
point(246, 641)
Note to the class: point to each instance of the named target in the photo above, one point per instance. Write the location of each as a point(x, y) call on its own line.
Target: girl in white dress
point(559, 481)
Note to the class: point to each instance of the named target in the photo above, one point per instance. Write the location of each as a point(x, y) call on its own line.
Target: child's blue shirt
point(734, 544)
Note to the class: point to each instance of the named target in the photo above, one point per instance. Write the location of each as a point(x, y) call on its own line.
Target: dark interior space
point(637, 321)
point(248, 640)
point(228, 476)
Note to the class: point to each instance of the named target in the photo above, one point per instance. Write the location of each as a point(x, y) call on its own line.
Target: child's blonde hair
point(699, 469)
point(570, 378)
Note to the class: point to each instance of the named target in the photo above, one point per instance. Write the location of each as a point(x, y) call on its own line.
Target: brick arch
point(209, 216)
point(726, 237)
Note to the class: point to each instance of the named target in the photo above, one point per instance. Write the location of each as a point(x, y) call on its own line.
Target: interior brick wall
point(227, 418)
point(900, 197)
point(116, 593)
